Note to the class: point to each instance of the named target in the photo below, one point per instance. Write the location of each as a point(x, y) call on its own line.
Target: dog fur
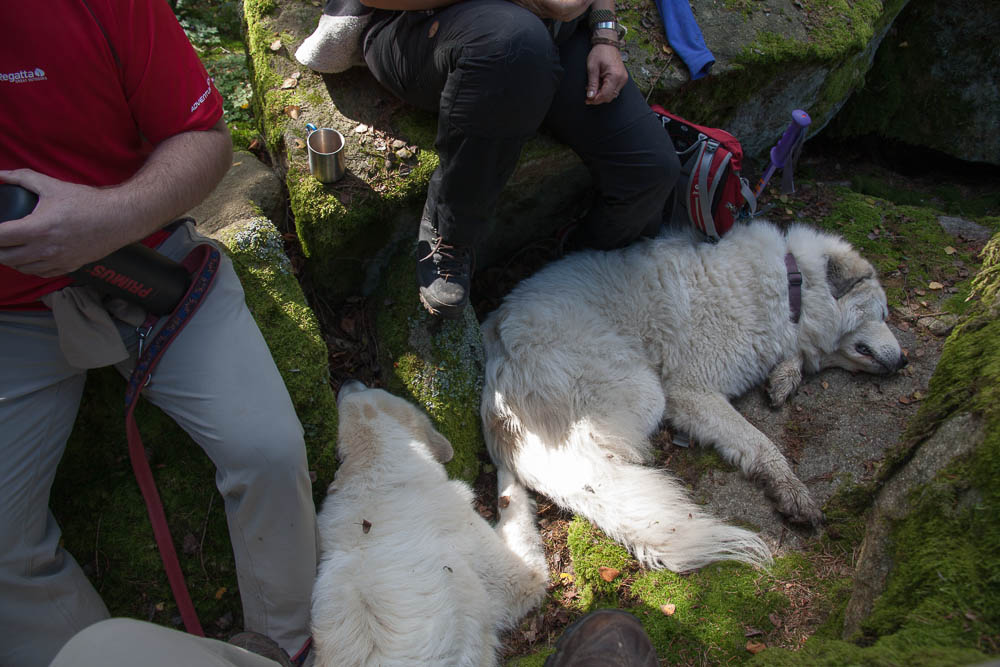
point(409, 573)
point(587, 357)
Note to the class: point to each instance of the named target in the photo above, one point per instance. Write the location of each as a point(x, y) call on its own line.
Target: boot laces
point(451, 261)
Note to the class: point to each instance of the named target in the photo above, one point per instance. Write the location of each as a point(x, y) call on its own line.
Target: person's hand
point(558, 10)
point(606, 74)
point(71, 225)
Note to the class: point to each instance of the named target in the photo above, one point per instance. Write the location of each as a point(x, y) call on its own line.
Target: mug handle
point(310, 127)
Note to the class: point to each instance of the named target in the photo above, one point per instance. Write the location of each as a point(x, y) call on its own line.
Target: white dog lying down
point(585, 359)
point(409, 573)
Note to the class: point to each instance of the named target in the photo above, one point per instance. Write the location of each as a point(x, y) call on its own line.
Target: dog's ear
point(843, 272)
point(439, 445)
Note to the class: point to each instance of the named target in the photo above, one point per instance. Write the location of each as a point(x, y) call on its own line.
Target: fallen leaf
point(668, 609)
point(297, 75)
point(919, 292)
point(918, 395)
point(825, 384)
point(366, 525)
point(755, 647)
point(160, 606)
point(608, 573)
point(948, 250)
point(361, 129)
point(566, 577)
point(904, 400)
point(753, 632)
point(300, 144)
point(292, 111)
point(503, 502)
point(276, 45)
point(219, 593)
point(289, 83)
point(935, 285)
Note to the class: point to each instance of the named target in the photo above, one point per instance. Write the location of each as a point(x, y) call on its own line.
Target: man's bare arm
point(76, 224)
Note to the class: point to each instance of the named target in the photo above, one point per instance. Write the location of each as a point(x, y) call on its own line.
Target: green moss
point(904, 243)
point(291, 330)
point(845, 514)
point(437, 364)
point(713, 608)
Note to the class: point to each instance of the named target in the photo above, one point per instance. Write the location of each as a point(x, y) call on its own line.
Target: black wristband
point(599, 16)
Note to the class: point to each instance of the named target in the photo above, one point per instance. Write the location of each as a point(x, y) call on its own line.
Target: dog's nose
point(901, 364)
point(350, 387)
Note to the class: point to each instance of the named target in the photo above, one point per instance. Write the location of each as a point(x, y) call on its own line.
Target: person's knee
point(508, 75)
point(660, 175)
point(266, 448)
point(89, 646)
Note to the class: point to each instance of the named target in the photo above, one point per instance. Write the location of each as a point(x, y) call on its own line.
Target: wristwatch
point(605, 19)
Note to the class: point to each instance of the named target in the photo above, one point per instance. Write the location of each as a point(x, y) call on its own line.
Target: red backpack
point(711, 193)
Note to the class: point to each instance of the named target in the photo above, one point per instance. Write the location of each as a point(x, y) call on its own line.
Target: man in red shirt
point(107, 114)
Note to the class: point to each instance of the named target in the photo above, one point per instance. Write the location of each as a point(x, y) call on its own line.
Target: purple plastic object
point(781, 150)
point(789, 145)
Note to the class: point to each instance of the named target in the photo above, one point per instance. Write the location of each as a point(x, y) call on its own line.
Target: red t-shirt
point(69, 110)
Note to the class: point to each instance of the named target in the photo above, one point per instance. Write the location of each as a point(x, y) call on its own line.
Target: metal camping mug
point(326, 153)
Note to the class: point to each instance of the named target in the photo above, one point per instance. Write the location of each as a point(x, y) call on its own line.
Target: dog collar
point(794, 287)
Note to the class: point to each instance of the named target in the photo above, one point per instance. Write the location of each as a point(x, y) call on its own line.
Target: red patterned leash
point(202, 263)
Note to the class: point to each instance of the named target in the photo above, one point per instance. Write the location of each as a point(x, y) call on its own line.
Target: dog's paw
point(783, 381)
point(794, 501)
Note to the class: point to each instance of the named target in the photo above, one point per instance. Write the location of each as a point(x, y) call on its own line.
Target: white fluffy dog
point(588, 356)
point(409, 573)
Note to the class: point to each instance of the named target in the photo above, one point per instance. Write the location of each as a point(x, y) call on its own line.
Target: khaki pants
point(218, 381)
point(123, 642)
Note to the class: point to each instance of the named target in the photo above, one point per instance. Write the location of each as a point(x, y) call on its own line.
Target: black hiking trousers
point(495, 75)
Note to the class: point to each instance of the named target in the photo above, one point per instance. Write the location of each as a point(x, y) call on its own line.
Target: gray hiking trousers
point(217, 380)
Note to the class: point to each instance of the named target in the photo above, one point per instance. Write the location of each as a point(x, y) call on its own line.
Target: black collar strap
point(794, 287)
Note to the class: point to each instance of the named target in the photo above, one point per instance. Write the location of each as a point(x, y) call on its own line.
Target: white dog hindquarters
point(706, 322)
point(409, 572)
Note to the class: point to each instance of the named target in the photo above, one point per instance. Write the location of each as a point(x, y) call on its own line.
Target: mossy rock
point(771, 57)
point(95, 496)
point(934, 84)
point(438, 364)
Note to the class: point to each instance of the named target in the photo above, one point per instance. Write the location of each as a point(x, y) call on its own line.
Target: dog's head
point(375, 424)
point(866, 343)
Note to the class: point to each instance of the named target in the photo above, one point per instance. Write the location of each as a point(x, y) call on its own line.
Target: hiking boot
point(262, 646)
point(606, 637)
point(443, 273)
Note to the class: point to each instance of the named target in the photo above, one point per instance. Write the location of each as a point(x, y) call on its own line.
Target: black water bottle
point(134, 272)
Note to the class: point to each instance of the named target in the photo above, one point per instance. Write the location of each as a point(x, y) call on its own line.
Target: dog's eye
point(863, 350)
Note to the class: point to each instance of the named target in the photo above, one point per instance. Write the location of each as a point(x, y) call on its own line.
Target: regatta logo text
point(24, 76)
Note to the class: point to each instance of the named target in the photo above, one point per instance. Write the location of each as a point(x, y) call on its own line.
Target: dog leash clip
point(142, 333)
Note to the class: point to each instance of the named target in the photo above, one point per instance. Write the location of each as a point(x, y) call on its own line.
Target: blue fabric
point(685, 36)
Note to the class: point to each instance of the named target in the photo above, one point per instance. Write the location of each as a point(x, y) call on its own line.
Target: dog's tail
point(636, 505)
